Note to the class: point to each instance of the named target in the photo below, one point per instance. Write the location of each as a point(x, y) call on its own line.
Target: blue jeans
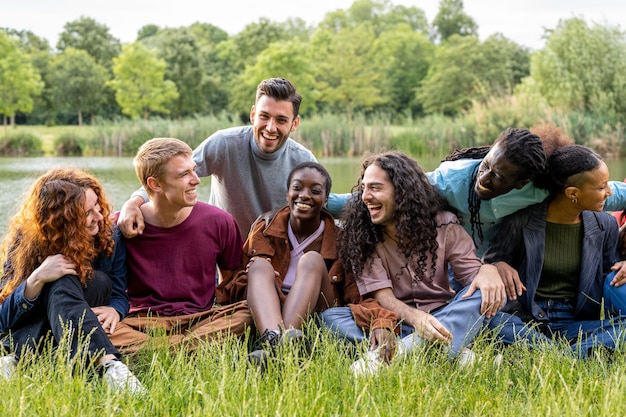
point(583, 335)
point(614, 297)
point(460, 316)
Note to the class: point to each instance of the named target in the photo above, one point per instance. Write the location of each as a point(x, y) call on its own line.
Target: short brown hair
point(153, 156)
point(280, 89)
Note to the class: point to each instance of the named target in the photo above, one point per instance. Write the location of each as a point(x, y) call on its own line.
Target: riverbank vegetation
point(373, 76)
point(327, 135)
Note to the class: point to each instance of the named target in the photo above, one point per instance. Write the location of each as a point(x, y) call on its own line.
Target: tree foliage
point(373, 57)
point(464, 70)
point(346, 79)
point(402, 57)
point(184, 66)
point(583, 67)
point(139, 83)
point(19, 80)
point(93, 37)
point(77, 82)
point(452, 20)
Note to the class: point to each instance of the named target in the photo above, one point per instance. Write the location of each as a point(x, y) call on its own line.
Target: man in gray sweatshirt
point(249, 165)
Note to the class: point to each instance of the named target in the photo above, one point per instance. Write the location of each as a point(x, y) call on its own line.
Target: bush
point(21, 144)
point(69, 144)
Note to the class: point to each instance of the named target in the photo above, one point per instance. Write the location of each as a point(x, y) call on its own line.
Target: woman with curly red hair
point(64, 275)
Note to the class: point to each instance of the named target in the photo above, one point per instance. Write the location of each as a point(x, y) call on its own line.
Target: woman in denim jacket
point(64, 275)
point(564, 250)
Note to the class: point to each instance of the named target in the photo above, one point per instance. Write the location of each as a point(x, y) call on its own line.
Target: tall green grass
point(330, 135)
point(217, 380)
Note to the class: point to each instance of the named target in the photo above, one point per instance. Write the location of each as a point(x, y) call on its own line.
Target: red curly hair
point(52, 220)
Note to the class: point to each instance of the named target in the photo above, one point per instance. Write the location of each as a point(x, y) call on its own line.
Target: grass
point(217, 379)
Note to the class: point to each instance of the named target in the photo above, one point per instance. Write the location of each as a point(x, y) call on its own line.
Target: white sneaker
point(466, 358)
point(369, 364)
point(119, 377)
point(7, 365)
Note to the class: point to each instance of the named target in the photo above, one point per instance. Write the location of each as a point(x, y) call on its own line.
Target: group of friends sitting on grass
point(513, 238)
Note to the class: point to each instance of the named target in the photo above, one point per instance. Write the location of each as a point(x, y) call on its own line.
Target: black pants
point(64, 309)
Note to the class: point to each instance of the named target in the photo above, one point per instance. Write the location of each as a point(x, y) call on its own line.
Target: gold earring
point(574, 200)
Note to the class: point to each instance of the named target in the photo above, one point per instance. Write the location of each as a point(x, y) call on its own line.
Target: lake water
point(118, 177)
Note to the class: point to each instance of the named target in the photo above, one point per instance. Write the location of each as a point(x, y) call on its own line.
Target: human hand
point(429, 328)
point(130, 219)
point(510, 277)
point(491, 288)
point(620, 277)
point(254, 258)
point(53, 268)
point(108, 317)
point(385, 341)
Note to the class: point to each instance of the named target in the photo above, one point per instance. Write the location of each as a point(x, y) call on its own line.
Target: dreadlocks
point(520, 146)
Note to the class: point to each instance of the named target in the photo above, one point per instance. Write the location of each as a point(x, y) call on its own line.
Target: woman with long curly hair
point(398, 237)
point(64, 275)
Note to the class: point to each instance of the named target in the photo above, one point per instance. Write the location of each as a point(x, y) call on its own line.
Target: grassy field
point(217, 380)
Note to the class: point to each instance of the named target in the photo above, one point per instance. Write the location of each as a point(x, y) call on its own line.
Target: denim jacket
point(16, 305)
point(521, 243)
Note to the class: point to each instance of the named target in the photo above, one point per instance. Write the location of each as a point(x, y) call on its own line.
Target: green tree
point(243, 48)
point(139, 83)
point(380, 15)
point(402, 57)
point(452, 20)
point(464, 70)
point(77, 82)
point(346, 79)
point(19, 80)
point(87, 34)
point(583, 67)
point(147, 31)
point(184, 66)
point(40, 53)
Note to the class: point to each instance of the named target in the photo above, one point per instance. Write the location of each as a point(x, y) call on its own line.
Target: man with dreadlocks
point(398, 239)
point(486, 184)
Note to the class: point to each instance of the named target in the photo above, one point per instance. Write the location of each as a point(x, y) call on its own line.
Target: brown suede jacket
point(268, 239)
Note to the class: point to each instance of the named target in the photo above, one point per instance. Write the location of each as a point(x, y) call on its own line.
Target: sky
point(523, 21)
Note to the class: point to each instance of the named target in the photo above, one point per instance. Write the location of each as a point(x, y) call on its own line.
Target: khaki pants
point(138, 330)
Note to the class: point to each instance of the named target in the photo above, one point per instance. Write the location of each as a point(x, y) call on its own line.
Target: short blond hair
point(153, 156)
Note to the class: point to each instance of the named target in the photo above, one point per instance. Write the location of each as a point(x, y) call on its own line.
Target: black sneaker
point(265, 347)
point(295, 339)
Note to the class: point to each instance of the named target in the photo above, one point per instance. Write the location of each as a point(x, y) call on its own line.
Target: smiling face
point(272, 123)
point(306, 195)
point(379, 196)
point(593, 190)
point(179, 184)
point(93, 212)
point(497, 175)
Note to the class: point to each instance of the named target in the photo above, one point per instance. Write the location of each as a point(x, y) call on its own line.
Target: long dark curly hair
point(417, 204)
point(52, 220)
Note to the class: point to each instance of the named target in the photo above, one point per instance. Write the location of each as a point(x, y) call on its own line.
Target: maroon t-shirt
point(172, 271)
